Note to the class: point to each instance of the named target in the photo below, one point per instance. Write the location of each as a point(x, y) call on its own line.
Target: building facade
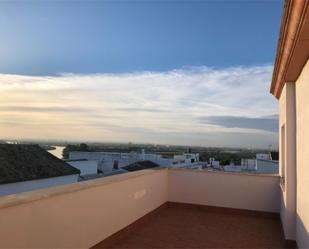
point(107, 161)
point(290, 85)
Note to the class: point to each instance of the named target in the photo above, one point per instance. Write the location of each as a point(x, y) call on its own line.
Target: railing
point(83, 214)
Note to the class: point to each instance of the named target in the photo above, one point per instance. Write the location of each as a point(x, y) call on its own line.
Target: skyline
point(144, 72)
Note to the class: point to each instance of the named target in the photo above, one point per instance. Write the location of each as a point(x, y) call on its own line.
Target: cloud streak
point(162, 107)
point(268, 123)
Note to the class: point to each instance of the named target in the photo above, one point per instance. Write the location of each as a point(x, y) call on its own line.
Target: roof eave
point(292, 49)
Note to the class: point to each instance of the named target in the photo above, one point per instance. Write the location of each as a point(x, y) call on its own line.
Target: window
point(282, 153)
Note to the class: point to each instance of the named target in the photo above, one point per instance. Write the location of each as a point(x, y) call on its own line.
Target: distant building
point(28, 167)
point(109, 161)
point(263, 163)
point(140, 166)
point(248, 164)
point(267, 166)
point(232, 168)
point(263, 156)
point(213, 163)
point(86, 167)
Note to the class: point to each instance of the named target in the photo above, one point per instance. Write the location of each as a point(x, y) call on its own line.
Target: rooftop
point(21, 162)
point(176, 225)
point(159, 207)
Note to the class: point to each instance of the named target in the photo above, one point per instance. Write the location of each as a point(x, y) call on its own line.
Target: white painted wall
point(248, 164)
point(86, 167)
point(17, 187)
point(302, 114)
point(80, 215)
point(222, 189)
point(266, 166)
point(262, 156)
point(287, 111)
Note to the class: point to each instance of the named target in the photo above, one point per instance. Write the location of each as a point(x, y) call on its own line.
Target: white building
point(262, 164)
point(249, 164)
point(213, 163)
point(29, 167)
point(107, 161)
point(263, 156)
point(232, 168)
point(86, 167)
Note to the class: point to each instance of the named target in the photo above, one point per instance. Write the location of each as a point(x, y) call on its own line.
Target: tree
point(71, 147)
point(225, 162)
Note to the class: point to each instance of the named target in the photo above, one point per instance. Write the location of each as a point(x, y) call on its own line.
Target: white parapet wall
point(225, 189)
point(82, 214)
point(25, 186)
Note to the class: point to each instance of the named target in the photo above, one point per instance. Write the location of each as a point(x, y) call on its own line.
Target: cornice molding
point(293, 45)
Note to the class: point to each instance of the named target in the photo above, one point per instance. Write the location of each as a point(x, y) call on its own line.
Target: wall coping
point(225, 172)
point(292, 49)
point(26, 197)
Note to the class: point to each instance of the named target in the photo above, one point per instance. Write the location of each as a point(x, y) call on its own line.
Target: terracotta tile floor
point(181, 226)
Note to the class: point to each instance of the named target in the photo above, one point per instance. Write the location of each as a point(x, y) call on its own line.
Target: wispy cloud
point(163, 107)
point(268, 123)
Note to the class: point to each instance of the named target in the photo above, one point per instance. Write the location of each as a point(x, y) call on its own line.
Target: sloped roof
point(21, 162)
point(140, 165)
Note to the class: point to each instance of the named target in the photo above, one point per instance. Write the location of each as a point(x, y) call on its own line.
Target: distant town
point(66, 163)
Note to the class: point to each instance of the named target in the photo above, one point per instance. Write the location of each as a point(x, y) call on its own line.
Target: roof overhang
point(293, 45)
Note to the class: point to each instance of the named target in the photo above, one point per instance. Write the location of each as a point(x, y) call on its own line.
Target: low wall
point(223, 189)
point(82, 214)
point(26, 186)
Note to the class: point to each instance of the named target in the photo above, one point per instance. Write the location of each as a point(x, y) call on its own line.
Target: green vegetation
point(225, 162)
point(71, 147)
point(226, 156)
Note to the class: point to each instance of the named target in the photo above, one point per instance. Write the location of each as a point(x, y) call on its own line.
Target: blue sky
point(113, 54)
point(124, 36)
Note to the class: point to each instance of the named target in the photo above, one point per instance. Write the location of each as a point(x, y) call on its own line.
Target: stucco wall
point(17, 187)
point(234, 190)
point(82, 214)
point(287, 117)
point(302, 107)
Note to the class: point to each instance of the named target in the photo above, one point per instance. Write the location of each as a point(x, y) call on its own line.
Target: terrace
point(157, 208)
